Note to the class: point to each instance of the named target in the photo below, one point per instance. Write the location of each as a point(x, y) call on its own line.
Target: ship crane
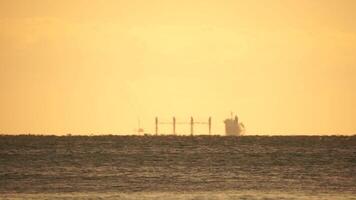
point(174, 122)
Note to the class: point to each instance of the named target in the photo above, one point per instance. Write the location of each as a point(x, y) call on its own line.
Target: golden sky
point(284, 66)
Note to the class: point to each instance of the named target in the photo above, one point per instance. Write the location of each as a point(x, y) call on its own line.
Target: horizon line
point(171, 135)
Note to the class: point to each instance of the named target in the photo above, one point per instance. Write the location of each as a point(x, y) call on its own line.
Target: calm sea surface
point(132, 167)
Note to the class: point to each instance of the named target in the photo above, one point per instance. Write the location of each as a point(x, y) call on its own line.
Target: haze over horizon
point(284, 67)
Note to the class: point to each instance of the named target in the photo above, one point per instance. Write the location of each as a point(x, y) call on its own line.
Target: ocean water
point(168, 167)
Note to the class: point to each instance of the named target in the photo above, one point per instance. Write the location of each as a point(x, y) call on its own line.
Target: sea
point(177, 167)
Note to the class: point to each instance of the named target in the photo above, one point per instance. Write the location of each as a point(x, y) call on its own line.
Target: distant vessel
point(233, 127)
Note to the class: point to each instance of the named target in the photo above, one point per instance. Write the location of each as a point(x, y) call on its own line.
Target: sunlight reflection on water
point(178, 167)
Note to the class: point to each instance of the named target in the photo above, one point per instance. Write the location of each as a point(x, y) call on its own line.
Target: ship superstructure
point(233, 127)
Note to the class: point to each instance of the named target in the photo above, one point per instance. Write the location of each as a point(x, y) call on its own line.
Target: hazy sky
point(284, 66)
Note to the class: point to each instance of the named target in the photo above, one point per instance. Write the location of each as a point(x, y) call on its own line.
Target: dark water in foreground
point(129, 167)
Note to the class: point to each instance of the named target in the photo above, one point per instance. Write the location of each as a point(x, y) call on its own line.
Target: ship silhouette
point(233, 127)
